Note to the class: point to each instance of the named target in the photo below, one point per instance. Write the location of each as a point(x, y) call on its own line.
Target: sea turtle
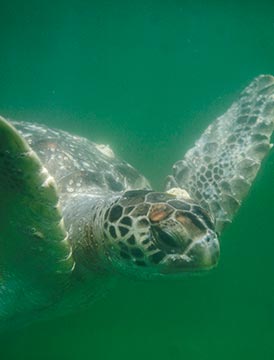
point(74, 216)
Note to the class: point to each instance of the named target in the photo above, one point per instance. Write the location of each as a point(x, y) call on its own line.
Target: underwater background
point(147, 77)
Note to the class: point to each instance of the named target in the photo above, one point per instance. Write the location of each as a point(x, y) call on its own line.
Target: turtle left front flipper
point(35, 256)
point(219, 170)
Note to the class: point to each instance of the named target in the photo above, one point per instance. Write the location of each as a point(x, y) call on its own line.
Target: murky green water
point(147, 77)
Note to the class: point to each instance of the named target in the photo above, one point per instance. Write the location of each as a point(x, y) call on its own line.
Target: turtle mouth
point(199, 256)
point(186, 255)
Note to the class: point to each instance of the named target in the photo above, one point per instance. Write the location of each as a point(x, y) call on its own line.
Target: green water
point(147, 77)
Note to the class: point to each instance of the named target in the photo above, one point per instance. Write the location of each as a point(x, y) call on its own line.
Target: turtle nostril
point(207, 238)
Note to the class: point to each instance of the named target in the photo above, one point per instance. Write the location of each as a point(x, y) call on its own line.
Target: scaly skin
point(141, 233)
point(74, 217)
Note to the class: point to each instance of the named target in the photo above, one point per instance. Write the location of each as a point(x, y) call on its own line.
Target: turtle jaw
point(185, 246)
point(201, 255)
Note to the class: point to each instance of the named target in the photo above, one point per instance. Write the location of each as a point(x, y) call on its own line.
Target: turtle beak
point(202, 254)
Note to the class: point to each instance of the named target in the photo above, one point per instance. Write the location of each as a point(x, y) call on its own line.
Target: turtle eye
point(167, 239)
point(164, 239)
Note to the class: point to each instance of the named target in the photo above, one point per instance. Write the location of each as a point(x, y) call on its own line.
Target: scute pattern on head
point(74, 216)
point(132, 226)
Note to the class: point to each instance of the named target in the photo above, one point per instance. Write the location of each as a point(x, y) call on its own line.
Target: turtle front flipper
point(219, 170)
point(35, 257)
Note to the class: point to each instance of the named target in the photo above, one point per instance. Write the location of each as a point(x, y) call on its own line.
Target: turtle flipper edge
point(35, 256)
point(219, 170)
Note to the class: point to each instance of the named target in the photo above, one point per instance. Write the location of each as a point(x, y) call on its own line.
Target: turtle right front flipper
point(33, 240)
point(219, 170)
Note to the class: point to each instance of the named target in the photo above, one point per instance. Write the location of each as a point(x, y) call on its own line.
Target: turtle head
point(155, 233)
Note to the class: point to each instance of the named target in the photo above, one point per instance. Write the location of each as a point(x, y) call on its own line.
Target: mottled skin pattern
point(79, 165)
point(89, 178)
point(112, 225)
point(219, 170)
point(155, 233)
point(74, 217)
